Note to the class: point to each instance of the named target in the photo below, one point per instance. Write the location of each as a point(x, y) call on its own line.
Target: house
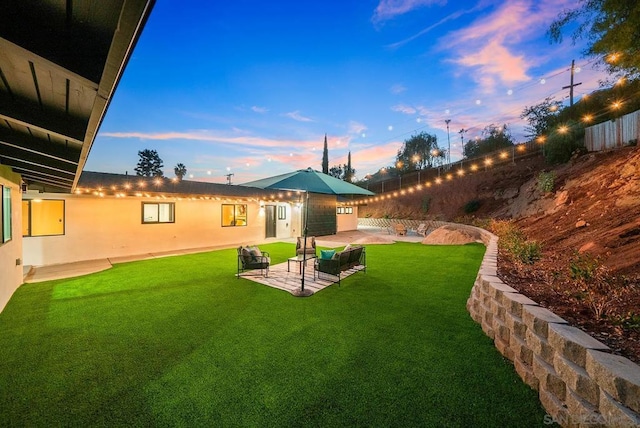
point(53, 98)
point(116, 215)
point(60, 68)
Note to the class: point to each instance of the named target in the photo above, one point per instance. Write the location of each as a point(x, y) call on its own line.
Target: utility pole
point(229, 177)
point(461, 132)
point(447, 121)
point(572, 85)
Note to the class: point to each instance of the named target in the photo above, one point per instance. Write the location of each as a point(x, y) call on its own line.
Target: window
point(6, 214)
point(282, 212)
point(42, 217)
point(344, 210)
point(234, 215)
point(158, 212)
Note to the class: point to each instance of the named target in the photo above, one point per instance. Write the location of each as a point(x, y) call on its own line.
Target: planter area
point(578, 381)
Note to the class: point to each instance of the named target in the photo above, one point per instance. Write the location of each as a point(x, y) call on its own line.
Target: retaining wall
point(409, 224)
point(578, 381)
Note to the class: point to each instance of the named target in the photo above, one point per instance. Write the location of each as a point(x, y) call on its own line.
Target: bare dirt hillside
point(590, 218)
point(594, 205)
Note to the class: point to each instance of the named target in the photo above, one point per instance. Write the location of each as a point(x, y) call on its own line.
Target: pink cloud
point(495, 45)
point(356, 127)
point(401, 108)
point(368, 160)
point(295, 115)
point(218, 138)
point(495, 61)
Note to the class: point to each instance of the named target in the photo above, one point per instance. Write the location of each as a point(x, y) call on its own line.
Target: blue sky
point(251, 87)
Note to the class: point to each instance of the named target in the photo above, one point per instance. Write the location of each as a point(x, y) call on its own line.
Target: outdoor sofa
point(340, 261)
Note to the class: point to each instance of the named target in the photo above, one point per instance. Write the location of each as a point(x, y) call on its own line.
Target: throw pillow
point(327, 254)
point(246, 255)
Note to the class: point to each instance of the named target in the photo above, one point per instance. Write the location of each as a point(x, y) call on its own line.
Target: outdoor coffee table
point(299, 259)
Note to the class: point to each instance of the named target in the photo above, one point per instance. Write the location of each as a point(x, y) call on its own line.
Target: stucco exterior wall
point(11, 251)
point(112, 227)
point(346, 222)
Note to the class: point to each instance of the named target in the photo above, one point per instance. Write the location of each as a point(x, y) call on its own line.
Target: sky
point(250, 88)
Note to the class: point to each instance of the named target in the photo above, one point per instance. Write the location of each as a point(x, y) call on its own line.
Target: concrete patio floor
point(69, 270)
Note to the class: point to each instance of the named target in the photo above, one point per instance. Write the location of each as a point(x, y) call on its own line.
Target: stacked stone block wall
point(579, 382)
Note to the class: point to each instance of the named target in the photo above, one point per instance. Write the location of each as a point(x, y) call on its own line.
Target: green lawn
point(181, 341)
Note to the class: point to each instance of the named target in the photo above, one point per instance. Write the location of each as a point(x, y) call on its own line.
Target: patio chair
point(310, 249)
point(422, 229)
point(400, 229)
point(251, 258)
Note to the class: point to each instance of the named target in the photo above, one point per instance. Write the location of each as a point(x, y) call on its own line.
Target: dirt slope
point(594, 207)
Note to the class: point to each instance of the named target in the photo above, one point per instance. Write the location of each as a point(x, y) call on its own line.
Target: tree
point(541, 117)
point(149, 164)
point(336, 171)
point(418, 152)
point(325, 157)
point(494, 138)
point(348, 171)
point(180, 171)
point(564, 142)
point(612, 28)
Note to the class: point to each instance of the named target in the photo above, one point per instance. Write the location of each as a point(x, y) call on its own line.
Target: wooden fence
point(614, 133)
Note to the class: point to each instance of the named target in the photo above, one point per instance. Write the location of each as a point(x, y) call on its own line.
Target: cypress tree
point(348, 171)
point(325, 157)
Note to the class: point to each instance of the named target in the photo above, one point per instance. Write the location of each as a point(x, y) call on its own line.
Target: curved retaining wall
point(578, 381)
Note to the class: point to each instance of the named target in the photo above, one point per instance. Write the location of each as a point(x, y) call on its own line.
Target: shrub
point(546, 181)
point(598, 289)
point(471, 206)
point(583, 267)
point(528, 252)
point(514, 242)
point(560, 146)
point(629, 321)
point(483, 223)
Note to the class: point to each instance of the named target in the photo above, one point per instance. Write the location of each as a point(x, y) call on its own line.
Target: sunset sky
point(251, 87)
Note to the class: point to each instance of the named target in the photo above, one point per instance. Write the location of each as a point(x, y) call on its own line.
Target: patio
point(282, 278)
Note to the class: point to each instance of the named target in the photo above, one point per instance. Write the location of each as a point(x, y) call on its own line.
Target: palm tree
point(180, 171)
